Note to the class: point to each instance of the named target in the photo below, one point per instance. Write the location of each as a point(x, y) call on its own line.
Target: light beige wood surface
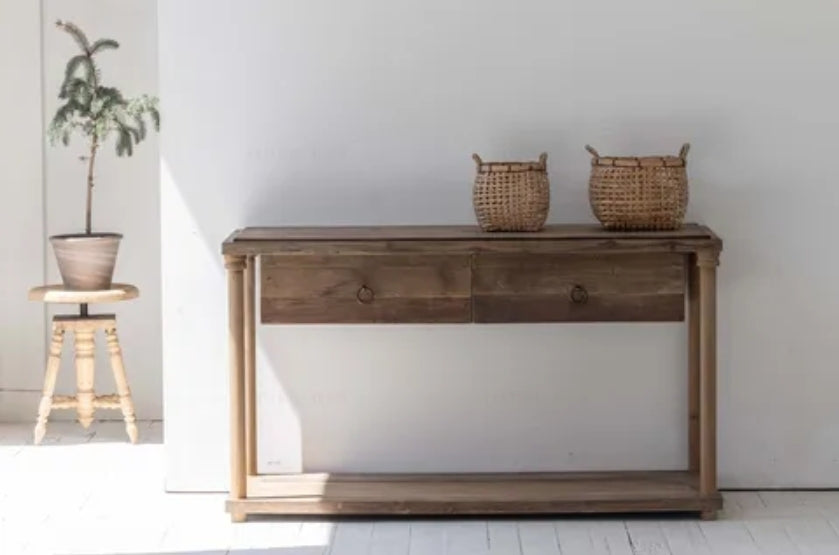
point(53, 364)
point(250, 363)
point(59, 294)
point(125, 402)
point(315, 265)
point(235, 266)
point(85, 401)
point(85, 348)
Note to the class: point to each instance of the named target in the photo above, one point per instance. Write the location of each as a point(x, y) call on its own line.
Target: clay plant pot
point(86, 261)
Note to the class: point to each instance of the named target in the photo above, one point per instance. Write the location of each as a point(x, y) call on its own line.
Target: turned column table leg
point(124, 392)
point(707, 379)
point(250, 366)
point(85, 352)
point(53, 364)
point(235, 266)
point(693, 366)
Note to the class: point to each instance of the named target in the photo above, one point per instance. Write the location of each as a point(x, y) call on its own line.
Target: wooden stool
point(84, 326)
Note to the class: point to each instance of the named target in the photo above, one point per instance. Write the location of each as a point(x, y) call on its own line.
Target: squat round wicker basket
point(511, 196)
point(631, 193)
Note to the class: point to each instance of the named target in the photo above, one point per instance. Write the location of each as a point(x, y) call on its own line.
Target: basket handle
point(683, 153)
point(592, 151)
point(477, 160)
point(543, 160)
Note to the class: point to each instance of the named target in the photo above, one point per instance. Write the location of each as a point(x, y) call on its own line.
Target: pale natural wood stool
point(84, 326)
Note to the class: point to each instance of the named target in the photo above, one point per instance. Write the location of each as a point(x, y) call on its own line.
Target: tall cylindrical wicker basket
point(511, 196)
point(632, 193)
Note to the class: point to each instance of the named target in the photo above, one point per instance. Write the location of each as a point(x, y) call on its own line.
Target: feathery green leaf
point(77, 34)
point(103, 44)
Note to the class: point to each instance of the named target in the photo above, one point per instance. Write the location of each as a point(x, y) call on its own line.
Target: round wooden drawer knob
point(579, 295)
point(365, 295)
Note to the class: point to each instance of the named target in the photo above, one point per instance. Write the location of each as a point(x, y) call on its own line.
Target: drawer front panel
point(579, 288)
point(365, 289)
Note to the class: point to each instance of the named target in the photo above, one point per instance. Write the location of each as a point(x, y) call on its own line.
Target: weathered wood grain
point(462, 240)
point(693, 403)
point(476, 493)
point(707, 262)
point(365, 289)
point(578, 288)
point(453, 233)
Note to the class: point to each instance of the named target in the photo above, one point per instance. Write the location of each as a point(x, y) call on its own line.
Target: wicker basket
point(649, 193)
point(511, 196)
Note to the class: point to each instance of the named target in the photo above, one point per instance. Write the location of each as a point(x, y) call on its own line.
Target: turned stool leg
point(85, 351)
point(53, 364)
point(126, 403)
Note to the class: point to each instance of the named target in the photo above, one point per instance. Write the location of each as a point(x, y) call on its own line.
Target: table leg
point(118, 367)
point(85, 352)
point(250, 365)
point(693, 364)
point(235, 266)
point(707, 263)
point(53, 364)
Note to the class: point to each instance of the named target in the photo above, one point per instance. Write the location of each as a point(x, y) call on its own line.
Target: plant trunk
point(94, 146)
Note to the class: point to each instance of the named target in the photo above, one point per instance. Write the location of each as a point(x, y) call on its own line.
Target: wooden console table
point(436, 274)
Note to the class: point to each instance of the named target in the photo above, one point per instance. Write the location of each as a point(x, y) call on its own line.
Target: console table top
point(251, 240)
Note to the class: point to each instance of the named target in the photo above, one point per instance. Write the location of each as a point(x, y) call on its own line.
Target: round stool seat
point(60, 294)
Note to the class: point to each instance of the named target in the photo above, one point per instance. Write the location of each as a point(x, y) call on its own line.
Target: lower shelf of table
point(475, 494)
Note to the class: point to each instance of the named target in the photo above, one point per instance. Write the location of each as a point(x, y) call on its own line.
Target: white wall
point(21, 211)
point(367, 112)
point(126, 199)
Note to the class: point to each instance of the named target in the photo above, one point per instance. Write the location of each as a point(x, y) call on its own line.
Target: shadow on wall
point(450, 398)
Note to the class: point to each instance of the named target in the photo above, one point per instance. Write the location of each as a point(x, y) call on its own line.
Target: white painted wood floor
point(85, 492)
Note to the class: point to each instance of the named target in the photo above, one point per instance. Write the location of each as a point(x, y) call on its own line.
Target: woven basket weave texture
point(639, 193)
point(511, 196)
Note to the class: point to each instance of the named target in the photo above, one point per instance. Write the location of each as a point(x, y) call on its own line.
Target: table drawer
point(365, 289)
point(579, 288)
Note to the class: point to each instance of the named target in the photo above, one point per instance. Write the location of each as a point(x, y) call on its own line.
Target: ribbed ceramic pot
point(86, 261)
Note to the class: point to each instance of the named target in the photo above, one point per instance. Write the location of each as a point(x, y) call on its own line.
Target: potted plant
point(96, 113)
